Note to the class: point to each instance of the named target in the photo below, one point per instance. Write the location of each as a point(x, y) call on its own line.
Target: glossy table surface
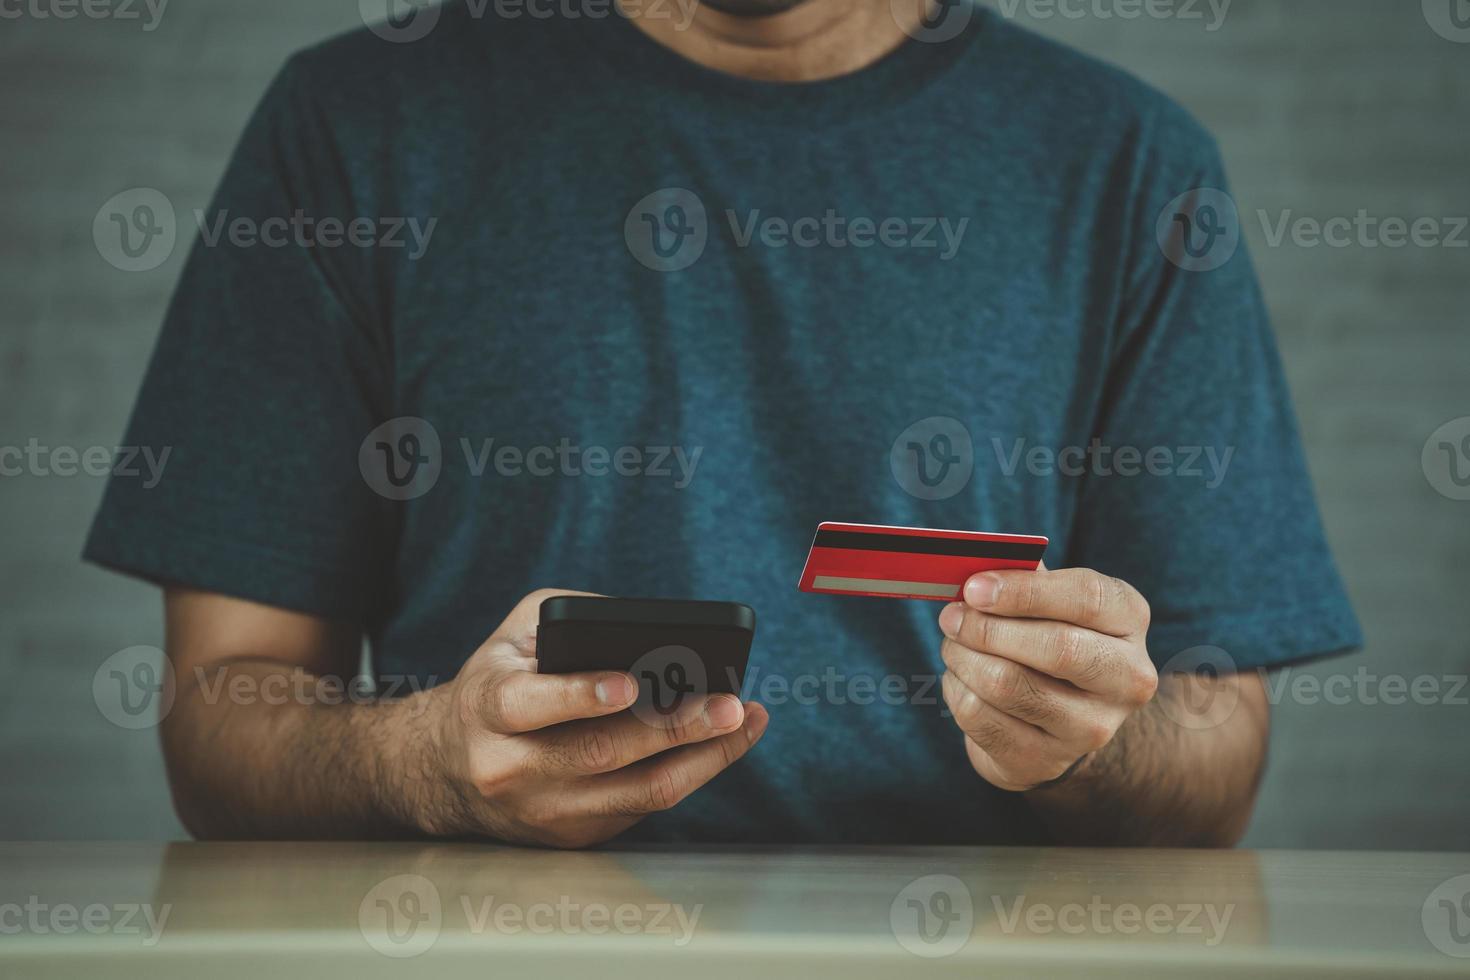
point(298, 909)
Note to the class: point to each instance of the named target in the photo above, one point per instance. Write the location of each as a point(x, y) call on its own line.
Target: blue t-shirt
point(665, 321)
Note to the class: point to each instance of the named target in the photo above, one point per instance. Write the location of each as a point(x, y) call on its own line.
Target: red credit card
point(910, 562)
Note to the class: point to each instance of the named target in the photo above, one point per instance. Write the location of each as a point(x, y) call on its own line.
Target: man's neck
point(814, 40)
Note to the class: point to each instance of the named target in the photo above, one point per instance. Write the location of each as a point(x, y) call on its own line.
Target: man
point(694, 287)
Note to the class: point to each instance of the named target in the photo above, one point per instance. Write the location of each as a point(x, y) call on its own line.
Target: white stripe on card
point(885, 586)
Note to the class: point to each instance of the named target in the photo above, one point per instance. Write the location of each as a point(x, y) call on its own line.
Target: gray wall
point(1323, 107)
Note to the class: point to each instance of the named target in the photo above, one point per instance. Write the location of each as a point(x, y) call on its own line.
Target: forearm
point(1160, 782)
point(279, 765)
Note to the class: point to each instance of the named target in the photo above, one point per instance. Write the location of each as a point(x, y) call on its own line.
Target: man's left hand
point(1044, 667)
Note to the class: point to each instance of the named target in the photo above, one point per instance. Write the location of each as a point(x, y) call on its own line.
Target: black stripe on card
point(915, 545)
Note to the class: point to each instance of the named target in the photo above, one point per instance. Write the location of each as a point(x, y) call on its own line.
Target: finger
point(519, 628)
point(1070, 595)
point(988, 727)
point(511, 701)
point(1092, 661)
point(602, 745)
point(1026, 694)
point(662, 782)
point(1005, 775)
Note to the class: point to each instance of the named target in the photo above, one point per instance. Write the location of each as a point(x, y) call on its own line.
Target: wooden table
point(216, 911)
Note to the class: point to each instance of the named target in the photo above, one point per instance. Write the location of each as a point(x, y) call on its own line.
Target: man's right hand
point(557, 759)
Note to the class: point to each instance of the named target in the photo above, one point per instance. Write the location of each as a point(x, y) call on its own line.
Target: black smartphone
point(673, 647)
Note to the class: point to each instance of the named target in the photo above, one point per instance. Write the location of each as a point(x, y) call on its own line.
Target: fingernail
point(757, 724)
point(981, 591)
point(616, 689)
point(950, 619)
point(721, 712)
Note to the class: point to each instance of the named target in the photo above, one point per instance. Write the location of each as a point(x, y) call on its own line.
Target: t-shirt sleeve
point(270, 370)
point(1219, 528)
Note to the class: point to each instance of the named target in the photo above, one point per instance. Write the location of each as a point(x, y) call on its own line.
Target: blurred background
point(1325, 109)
